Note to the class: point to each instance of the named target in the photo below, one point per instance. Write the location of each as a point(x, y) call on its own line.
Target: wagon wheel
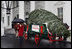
point(65, 38)
point(60, 37)
point(53, 37)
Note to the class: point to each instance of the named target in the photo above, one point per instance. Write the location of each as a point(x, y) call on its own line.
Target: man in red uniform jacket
point(20, 32)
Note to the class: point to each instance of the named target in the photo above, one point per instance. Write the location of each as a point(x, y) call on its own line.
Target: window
point(60, 13)
point(17, 15)
point(8, 20)
point(17, 4)
point(27, 8)
point(3, 19)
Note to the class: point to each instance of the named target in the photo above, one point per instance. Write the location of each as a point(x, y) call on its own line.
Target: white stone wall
point(10, 20)
point(27, 8)
point(15, 12)
point(21, 10)
point(67, 13)
point(4, 14)
point(47, 5)
point(2, 29)
point(32, 6)
point(50, 6)
point(39, 4)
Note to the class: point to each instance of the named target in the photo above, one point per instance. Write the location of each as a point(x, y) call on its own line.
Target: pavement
point(10, 41)
point(9, 31)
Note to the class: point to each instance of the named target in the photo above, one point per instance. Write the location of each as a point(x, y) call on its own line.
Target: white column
point(21, 10)
point(5, 19)
point(5, 16)
point(11, 16)
point(32, 5)
point(2, 24)
point(11, 19)
point(2, 29)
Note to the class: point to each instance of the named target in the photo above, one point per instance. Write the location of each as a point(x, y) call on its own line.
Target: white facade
point(53, 5)
point(50, 6)
point(32, 5)
point(6, 26)
point(21, 10)
point(67, 14)
point(2, 29)
point(3, 15)
point(47, 5)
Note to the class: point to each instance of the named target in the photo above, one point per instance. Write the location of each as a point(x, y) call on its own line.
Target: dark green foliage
point(55, 25)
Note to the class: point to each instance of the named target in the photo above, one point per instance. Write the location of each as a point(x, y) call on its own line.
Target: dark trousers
point(20, 40)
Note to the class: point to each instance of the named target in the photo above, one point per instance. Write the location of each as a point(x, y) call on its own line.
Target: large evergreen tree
point(54, 24)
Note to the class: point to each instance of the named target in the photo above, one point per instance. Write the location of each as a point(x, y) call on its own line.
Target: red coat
point(21, 30)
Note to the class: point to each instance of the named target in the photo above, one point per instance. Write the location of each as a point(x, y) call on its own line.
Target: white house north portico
point(21, 9)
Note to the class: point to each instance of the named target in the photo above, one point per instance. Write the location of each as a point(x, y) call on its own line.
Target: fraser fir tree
point(55, 25)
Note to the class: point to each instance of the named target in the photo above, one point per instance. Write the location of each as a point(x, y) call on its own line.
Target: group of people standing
point(20, 30)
